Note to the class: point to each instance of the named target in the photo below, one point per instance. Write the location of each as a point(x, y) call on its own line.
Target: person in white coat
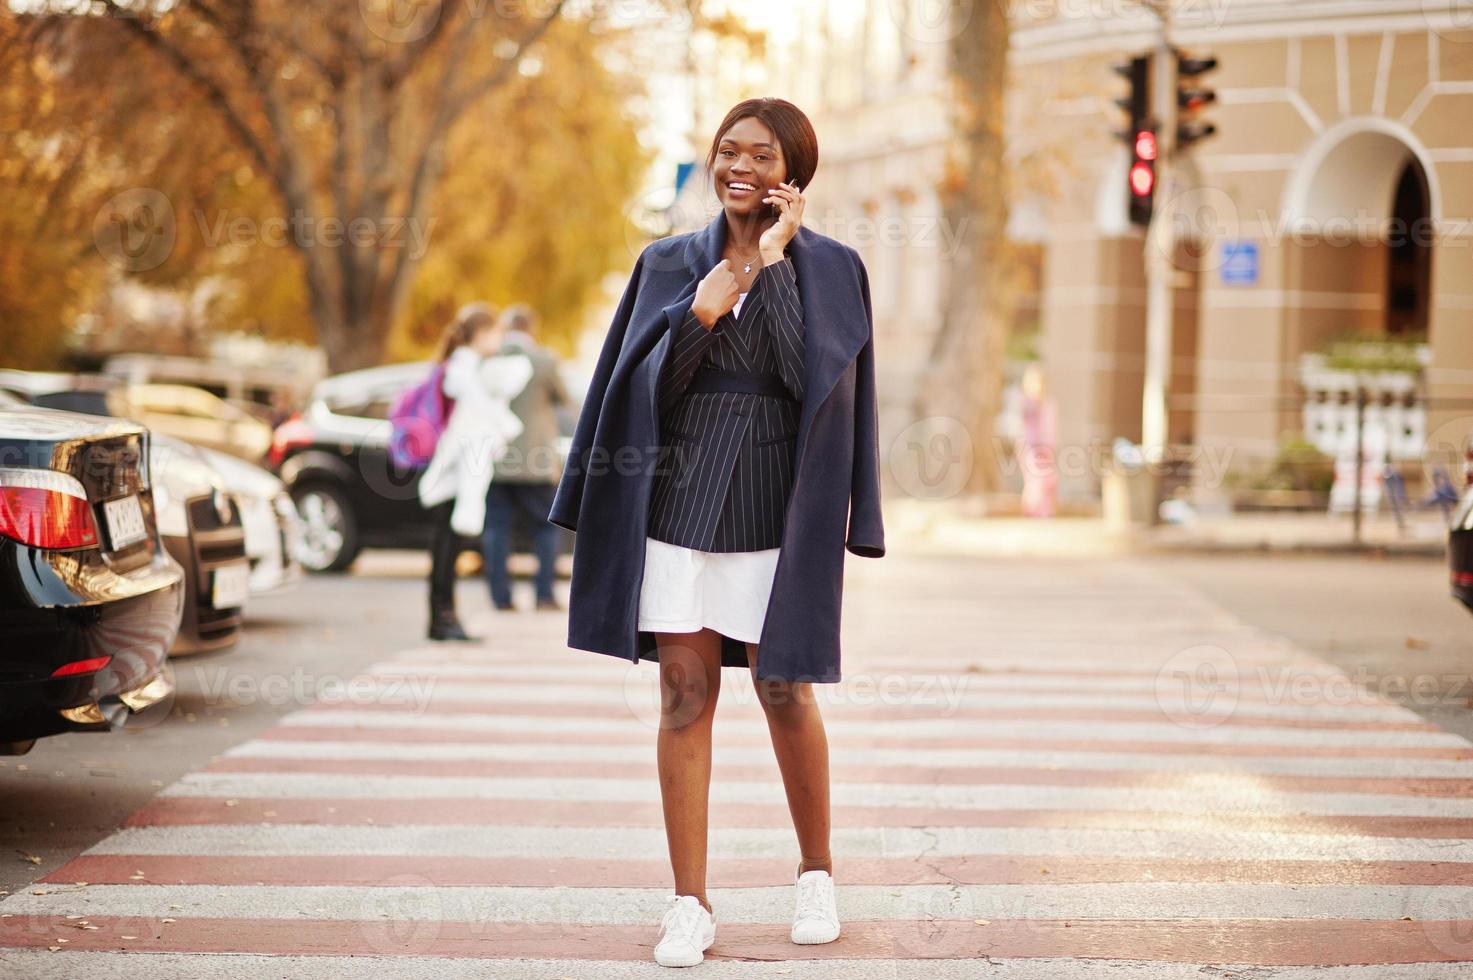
point(481, 425)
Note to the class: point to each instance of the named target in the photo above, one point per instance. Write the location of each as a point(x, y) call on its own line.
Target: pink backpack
point(419, 417)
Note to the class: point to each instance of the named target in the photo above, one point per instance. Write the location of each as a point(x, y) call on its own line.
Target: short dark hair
point(791, 127)
point(520, 316)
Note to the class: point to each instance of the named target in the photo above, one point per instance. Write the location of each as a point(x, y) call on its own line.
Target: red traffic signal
point(1142, 179)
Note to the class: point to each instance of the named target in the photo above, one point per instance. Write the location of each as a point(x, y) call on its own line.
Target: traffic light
point(1191, 96)
point(1140, 136)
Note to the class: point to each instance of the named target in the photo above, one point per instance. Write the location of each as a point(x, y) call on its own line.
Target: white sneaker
point(686, 932)
point(815, 919)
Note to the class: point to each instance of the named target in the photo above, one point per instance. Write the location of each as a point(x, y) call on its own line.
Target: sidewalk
point(939, 528)
point(1037, 766)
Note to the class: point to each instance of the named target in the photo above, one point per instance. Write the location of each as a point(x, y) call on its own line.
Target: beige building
point(1335, 199)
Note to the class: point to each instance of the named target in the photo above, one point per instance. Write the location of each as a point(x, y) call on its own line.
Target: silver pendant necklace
point(747, 267)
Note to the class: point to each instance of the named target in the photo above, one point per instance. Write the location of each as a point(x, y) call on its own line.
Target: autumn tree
point(966, 359)
point(347, 111)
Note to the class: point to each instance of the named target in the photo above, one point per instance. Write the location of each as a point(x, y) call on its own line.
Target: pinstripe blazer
point(726, 466)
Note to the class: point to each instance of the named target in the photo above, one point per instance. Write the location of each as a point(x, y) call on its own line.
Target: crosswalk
point(1039, 771)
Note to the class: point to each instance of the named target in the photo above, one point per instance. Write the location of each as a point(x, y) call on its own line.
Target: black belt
point(709, 378)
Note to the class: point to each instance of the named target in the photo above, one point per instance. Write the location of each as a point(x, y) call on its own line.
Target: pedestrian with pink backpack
point(455, 450)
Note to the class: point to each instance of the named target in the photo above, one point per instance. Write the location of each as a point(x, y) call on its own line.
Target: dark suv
point(334, 457)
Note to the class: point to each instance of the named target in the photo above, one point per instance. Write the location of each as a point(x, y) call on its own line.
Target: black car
point(1460, 542)
point(199, 521)
point(201, 526)
point(334, 458)
point(90, 600)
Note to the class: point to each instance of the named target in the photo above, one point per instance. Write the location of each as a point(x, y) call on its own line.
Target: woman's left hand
point(789, 200)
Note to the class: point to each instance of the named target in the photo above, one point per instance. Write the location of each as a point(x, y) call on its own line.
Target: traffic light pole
point(1160, 252)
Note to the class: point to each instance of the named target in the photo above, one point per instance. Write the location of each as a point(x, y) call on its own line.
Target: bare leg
point(802, 750)
point(690, 682)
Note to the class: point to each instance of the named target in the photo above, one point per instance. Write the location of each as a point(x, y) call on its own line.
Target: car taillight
point(292, 434)
point(81, 666)
point(45, 509)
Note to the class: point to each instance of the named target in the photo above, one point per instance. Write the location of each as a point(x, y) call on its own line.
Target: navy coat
point(834, 505)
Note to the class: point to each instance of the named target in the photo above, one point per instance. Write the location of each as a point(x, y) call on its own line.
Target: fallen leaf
point(982, 922)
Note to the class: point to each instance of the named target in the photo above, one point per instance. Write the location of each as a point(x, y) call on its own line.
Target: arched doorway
point(1409, 255)
point(1359, 216)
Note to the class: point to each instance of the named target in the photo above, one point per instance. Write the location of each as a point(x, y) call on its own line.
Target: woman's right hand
point(716, 294)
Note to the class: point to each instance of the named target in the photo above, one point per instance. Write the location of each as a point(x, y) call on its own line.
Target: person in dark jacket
point(725, 458)
point(527, 472)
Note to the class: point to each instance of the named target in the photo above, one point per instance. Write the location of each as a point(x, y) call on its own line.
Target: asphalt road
point(1059, 794)
point(1387, 622)
point(71, 790)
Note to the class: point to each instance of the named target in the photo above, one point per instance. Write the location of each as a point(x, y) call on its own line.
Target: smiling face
point(749, 163)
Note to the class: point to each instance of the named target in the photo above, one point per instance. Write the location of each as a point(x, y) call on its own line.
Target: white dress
point(685, 590)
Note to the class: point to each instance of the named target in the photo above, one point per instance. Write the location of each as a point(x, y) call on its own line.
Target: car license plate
point(124, 521)
point(231, 586)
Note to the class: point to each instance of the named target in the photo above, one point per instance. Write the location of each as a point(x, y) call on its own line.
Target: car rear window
point(89, 402)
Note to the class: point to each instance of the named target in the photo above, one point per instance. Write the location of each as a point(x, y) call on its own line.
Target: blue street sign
point(1240, 263)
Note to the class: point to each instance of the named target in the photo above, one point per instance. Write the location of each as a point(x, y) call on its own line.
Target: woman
point(454, 484)
point(719, 454)
point(1038, 445)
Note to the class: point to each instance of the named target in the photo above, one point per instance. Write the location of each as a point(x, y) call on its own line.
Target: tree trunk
point(965, 374)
